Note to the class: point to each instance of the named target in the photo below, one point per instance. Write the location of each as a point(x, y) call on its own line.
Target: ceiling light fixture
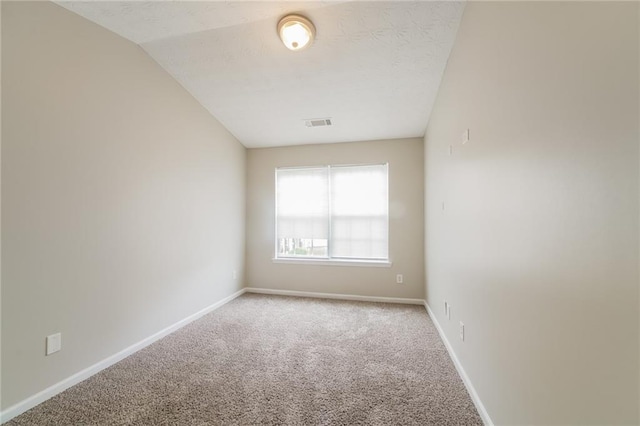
point(296, 32)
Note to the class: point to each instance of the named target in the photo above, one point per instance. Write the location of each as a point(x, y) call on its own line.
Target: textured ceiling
point(374, 68)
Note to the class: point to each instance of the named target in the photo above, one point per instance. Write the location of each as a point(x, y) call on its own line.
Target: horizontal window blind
point(359, 212)
point(302, 203)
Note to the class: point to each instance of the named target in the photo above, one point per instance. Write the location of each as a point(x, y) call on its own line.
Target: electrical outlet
point(54, 343)
point(465, 136)
point(399, 279)
point(461, 331)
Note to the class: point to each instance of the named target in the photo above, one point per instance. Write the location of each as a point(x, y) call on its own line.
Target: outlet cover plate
point(54, 343)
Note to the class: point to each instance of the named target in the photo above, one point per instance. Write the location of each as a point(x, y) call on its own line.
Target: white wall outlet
point(54, 343)
point(465, 136)
point(399, 279)
point(461, 331)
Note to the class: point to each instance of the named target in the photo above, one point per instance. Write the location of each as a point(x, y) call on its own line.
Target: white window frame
point(329, 260)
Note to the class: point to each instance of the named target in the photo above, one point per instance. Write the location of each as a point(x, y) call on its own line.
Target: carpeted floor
point(278, 360)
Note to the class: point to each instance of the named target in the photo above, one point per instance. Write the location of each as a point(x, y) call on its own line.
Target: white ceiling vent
point(318, 122)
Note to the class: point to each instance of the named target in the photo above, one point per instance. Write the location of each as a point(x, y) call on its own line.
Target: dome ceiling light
point(296, 32)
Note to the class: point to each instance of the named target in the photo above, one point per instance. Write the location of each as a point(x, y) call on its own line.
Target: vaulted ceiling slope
point(374, 68)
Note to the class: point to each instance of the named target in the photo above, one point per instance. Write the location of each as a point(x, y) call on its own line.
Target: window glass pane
point(291, 247)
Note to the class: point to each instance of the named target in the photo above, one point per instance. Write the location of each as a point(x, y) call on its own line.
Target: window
point(332, 212)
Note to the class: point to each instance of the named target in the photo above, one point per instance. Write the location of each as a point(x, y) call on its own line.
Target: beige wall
point(537, 248)
point(122, 198)
point(406, 222)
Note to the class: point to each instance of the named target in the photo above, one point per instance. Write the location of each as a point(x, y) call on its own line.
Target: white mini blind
point(302, 203)
point(359, 212)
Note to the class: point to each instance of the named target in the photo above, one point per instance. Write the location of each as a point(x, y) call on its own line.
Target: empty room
point(320, 213)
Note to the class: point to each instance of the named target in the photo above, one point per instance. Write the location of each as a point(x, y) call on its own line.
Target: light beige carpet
point(278, 360)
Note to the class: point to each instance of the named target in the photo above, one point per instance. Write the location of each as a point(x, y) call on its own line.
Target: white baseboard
point(463, 374)
point(334, 296)
point(55, 389)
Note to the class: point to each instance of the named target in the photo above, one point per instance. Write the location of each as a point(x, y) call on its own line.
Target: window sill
point(334, 262)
